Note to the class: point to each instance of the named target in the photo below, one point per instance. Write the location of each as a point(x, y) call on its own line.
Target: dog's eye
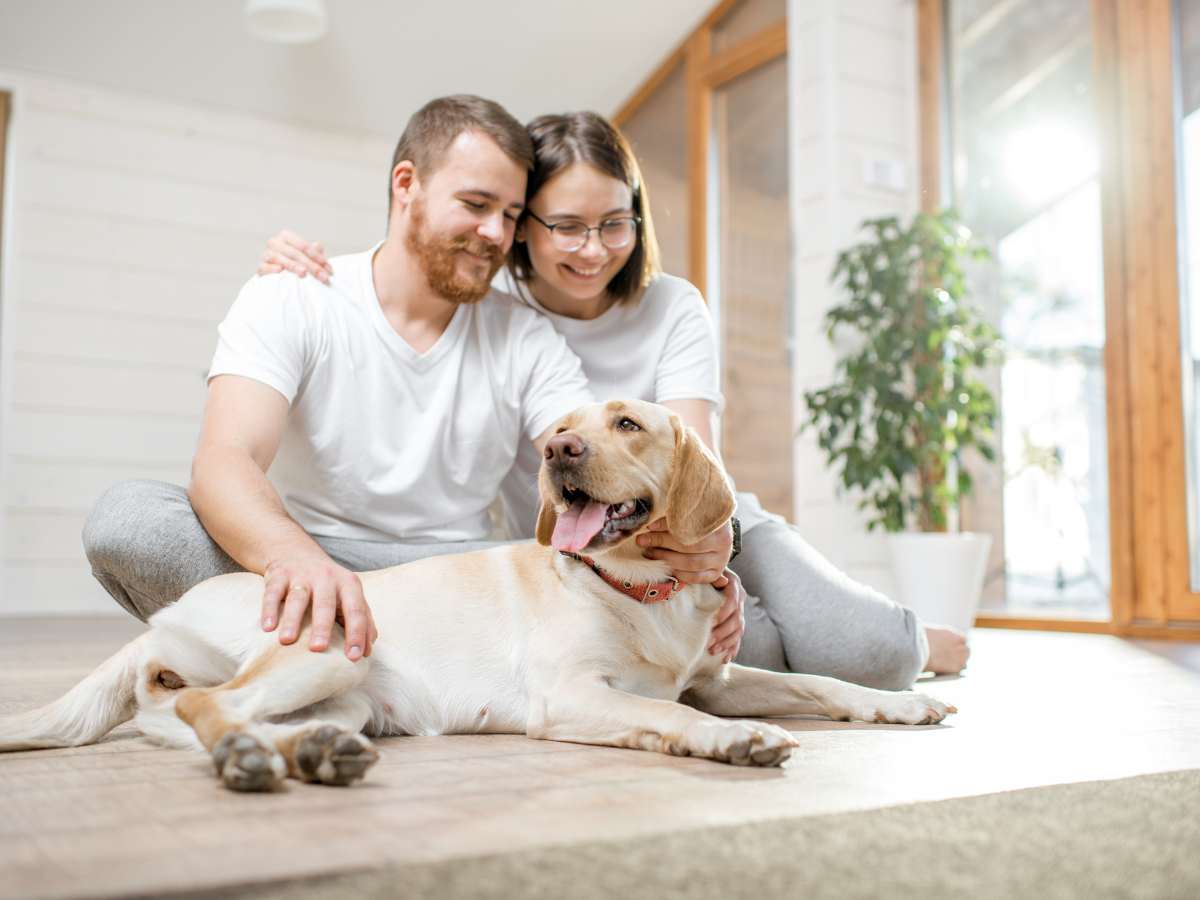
point(559, 430)
point(629, 425)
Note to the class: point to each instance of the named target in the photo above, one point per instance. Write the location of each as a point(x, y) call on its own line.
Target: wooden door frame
point(704, 72)
point(1134, 81)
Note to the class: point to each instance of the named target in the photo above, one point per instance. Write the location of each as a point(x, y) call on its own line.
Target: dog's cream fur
point(518, 639)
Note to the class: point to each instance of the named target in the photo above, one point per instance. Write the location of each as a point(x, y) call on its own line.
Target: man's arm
point(243, 425)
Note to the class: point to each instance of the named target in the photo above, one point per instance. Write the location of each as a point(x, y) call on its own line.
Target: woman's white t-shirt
point(382, 442)
point(659, 348)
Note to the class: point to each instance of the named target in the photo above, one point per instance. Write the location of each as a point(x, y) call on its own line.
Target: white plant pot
point(940, 576)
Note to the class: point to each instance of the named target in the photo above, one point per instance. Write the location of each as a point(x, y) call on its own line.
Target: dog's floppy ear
point(699, 498)
point(547, 519)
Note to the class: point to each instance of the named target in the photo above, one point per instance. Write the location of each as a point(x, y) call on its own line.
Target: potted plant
point(907, 401)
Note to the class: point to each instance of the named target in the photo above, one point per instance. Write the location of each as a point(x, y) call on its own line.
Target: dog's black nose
point(565, 448)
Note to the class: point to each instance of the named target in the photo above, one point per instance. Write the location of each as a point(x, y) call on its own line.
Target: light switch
point(890, 174)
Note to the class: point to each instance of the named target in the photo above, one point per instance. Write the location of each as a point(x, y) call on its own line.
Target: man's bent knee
point(133, 538)
point(113, 525)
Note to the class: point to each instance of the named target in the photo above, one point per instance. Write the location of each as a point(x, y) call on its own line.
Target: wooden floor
point(124, 817)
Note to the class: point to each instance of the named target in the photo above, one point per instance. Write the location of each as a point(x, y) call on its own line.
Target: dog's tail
point(86, 713)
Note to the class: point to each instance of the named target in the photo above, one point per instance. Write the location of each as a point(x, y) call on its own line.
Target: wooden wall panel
point(134, 225)
point(699, 129)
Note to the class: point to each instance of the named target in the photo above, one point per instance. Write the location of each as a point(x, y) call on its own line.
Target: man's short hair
point(436, 125)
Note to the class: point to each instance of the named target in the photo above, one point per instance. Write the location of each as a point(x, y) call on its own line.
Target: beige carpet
point(1131, 838)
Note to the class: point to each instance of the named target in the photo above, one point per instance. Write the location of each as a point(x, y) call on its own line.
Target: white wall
point(853, 99)
point(130, 225)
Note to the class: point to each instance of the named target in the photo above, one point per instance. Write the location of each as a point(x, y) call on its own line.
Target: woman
point(586, 257)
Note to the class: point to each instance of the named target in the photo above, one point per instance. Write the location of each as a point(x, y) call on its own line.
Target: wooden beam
point(718, 12)
point(754, 51)
point(930, 77)
point(1140, 630)
point(1151, 299)
point(1159, 61)
point(1028, 623)
point(699, 129)
point(1123, 593)
point(649, 86)
point(668, 65)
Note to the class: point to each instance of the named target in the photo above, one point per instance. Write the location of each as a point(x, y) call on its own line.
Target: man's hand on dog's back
point(335, 594)
point(243, 423)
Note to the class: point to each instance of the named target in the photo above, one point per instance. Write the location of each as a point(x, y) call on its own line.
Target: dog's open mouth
point(588, 522)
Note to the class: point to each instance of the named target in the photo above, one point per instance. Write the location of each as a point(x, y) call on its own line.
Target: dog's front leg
point(590, 711)
point(743, 691)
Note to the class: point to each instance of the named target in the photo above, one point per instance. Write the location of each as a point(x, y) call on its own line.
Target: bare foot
point(948, 650)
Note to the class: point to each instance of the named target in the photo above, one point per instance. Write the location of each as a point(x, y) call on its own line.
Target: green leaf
point(907, 397)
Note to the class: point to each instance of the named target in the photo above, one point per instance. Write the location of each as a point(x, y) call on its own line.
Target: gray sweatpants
point(806, 615)
point(147, 548)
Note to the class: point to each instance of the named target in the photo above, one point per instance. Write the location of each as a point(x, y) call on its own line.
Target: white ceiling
point(378, 63)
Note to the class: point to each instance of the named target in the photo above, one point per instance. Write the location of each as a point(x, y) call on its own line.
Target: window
point(1026, 178)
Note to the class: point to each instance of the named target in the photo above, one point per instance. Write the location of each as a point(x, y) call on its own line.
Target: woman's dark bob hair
point(560, 141)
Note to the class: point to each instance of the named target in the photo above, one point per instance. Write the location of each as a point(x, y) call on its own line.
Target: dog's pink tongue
point(578, 525)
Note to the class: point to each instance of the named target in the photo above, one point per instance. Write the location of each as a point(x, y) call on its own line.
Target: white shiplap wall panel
point(149, 243)
point(43, 535)
point(853, 99)
point(48, 588)
point(93, 333)
point(131, 224)
point(69, 438)
point(231, 129)
point(82, 188)
point(121, 289)
point(50, 383)
point(73, 140)
point(51, 485)
point(870, 54)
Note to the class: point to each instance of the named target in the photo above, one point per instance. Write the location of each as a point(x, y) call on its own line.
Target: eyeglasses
point(572, 236)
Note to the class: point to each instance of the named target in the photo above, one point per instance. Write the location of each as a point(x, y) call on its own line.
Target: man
point(388, 404)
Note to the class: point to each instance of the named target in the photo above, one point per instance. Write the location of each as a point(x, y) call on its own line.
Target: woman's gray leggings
point(147, 548)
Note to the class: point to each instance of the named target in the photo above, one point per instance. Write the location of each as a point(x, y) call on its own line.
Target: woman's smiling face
point(580, 193)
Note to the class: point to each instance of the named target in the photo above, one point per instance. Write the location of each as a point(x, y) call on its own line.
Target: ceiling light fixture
point(287, 21)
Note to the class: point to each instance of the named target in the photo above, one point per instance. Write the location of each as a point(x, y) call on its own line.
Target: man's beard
point(438, 258)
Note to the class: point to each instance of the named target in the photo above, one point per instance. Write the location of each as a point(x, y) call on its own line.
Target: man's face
point(462, 217)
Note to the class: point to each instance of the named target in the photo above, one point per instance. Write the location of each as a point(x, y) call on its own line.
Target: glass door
point(1026, 178)
point(1188, 150)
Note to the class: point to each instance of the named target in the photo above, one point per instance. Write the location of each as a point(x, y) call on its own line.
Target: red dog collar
point(642, 591)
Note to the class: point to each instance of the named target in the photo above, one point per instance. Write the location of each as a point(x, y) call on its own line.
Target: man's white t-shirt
point(659, 348)
point(382, 442)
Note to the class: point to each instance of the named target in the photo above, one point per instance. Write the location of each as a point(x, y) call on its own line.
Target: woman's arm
point(729, 623)
point(288, 252)
point(702, 416)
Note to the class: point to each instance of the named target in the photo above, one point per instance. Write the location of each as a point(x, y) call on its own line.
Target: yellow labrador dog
point(574, 638)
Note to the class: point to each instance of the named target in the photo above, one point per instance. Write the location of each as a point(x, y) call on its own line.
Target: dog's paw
point(745, 743)
point(246, 763)
point(332, 755)
point(910, 708)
